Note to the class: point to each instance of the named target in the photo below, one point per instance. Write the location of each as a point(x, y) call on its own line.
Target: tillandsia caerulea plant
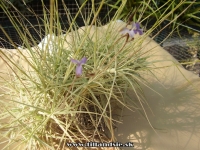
point(51, 105)
point(47, 106)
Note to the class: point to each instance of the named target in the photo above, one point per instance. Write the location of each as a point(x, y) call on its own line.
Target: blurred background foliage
point(19, 4)
point(155, 9)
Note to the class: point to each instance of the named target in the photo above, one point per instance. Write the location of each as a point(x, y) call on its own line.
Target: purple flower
point(127, 31)
point(137, 28)
point(131, 32)
point(79, 65)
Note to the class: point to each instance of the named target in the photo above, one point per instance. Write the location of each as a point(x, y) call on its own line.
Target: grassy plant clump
point(72, 87)
point(58, 99)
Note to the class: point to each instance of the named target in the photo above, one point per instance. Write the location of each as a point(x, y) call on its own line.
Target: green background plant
point(19, 4)
point(154, 9)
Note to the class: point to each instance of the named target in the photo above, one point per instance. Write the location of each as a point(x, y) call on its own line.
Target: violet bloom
point(137, 28)
point(79, 65)
point(131, 32)
point(127, 31)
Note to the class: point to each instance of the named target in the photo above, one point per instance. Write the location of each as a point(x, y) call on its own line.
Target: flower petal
point(137, 26)
point(137, 29)
point(140, 31)
point(74, 61)
point(131, 34)
point(78, 70)
point(83, 60)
